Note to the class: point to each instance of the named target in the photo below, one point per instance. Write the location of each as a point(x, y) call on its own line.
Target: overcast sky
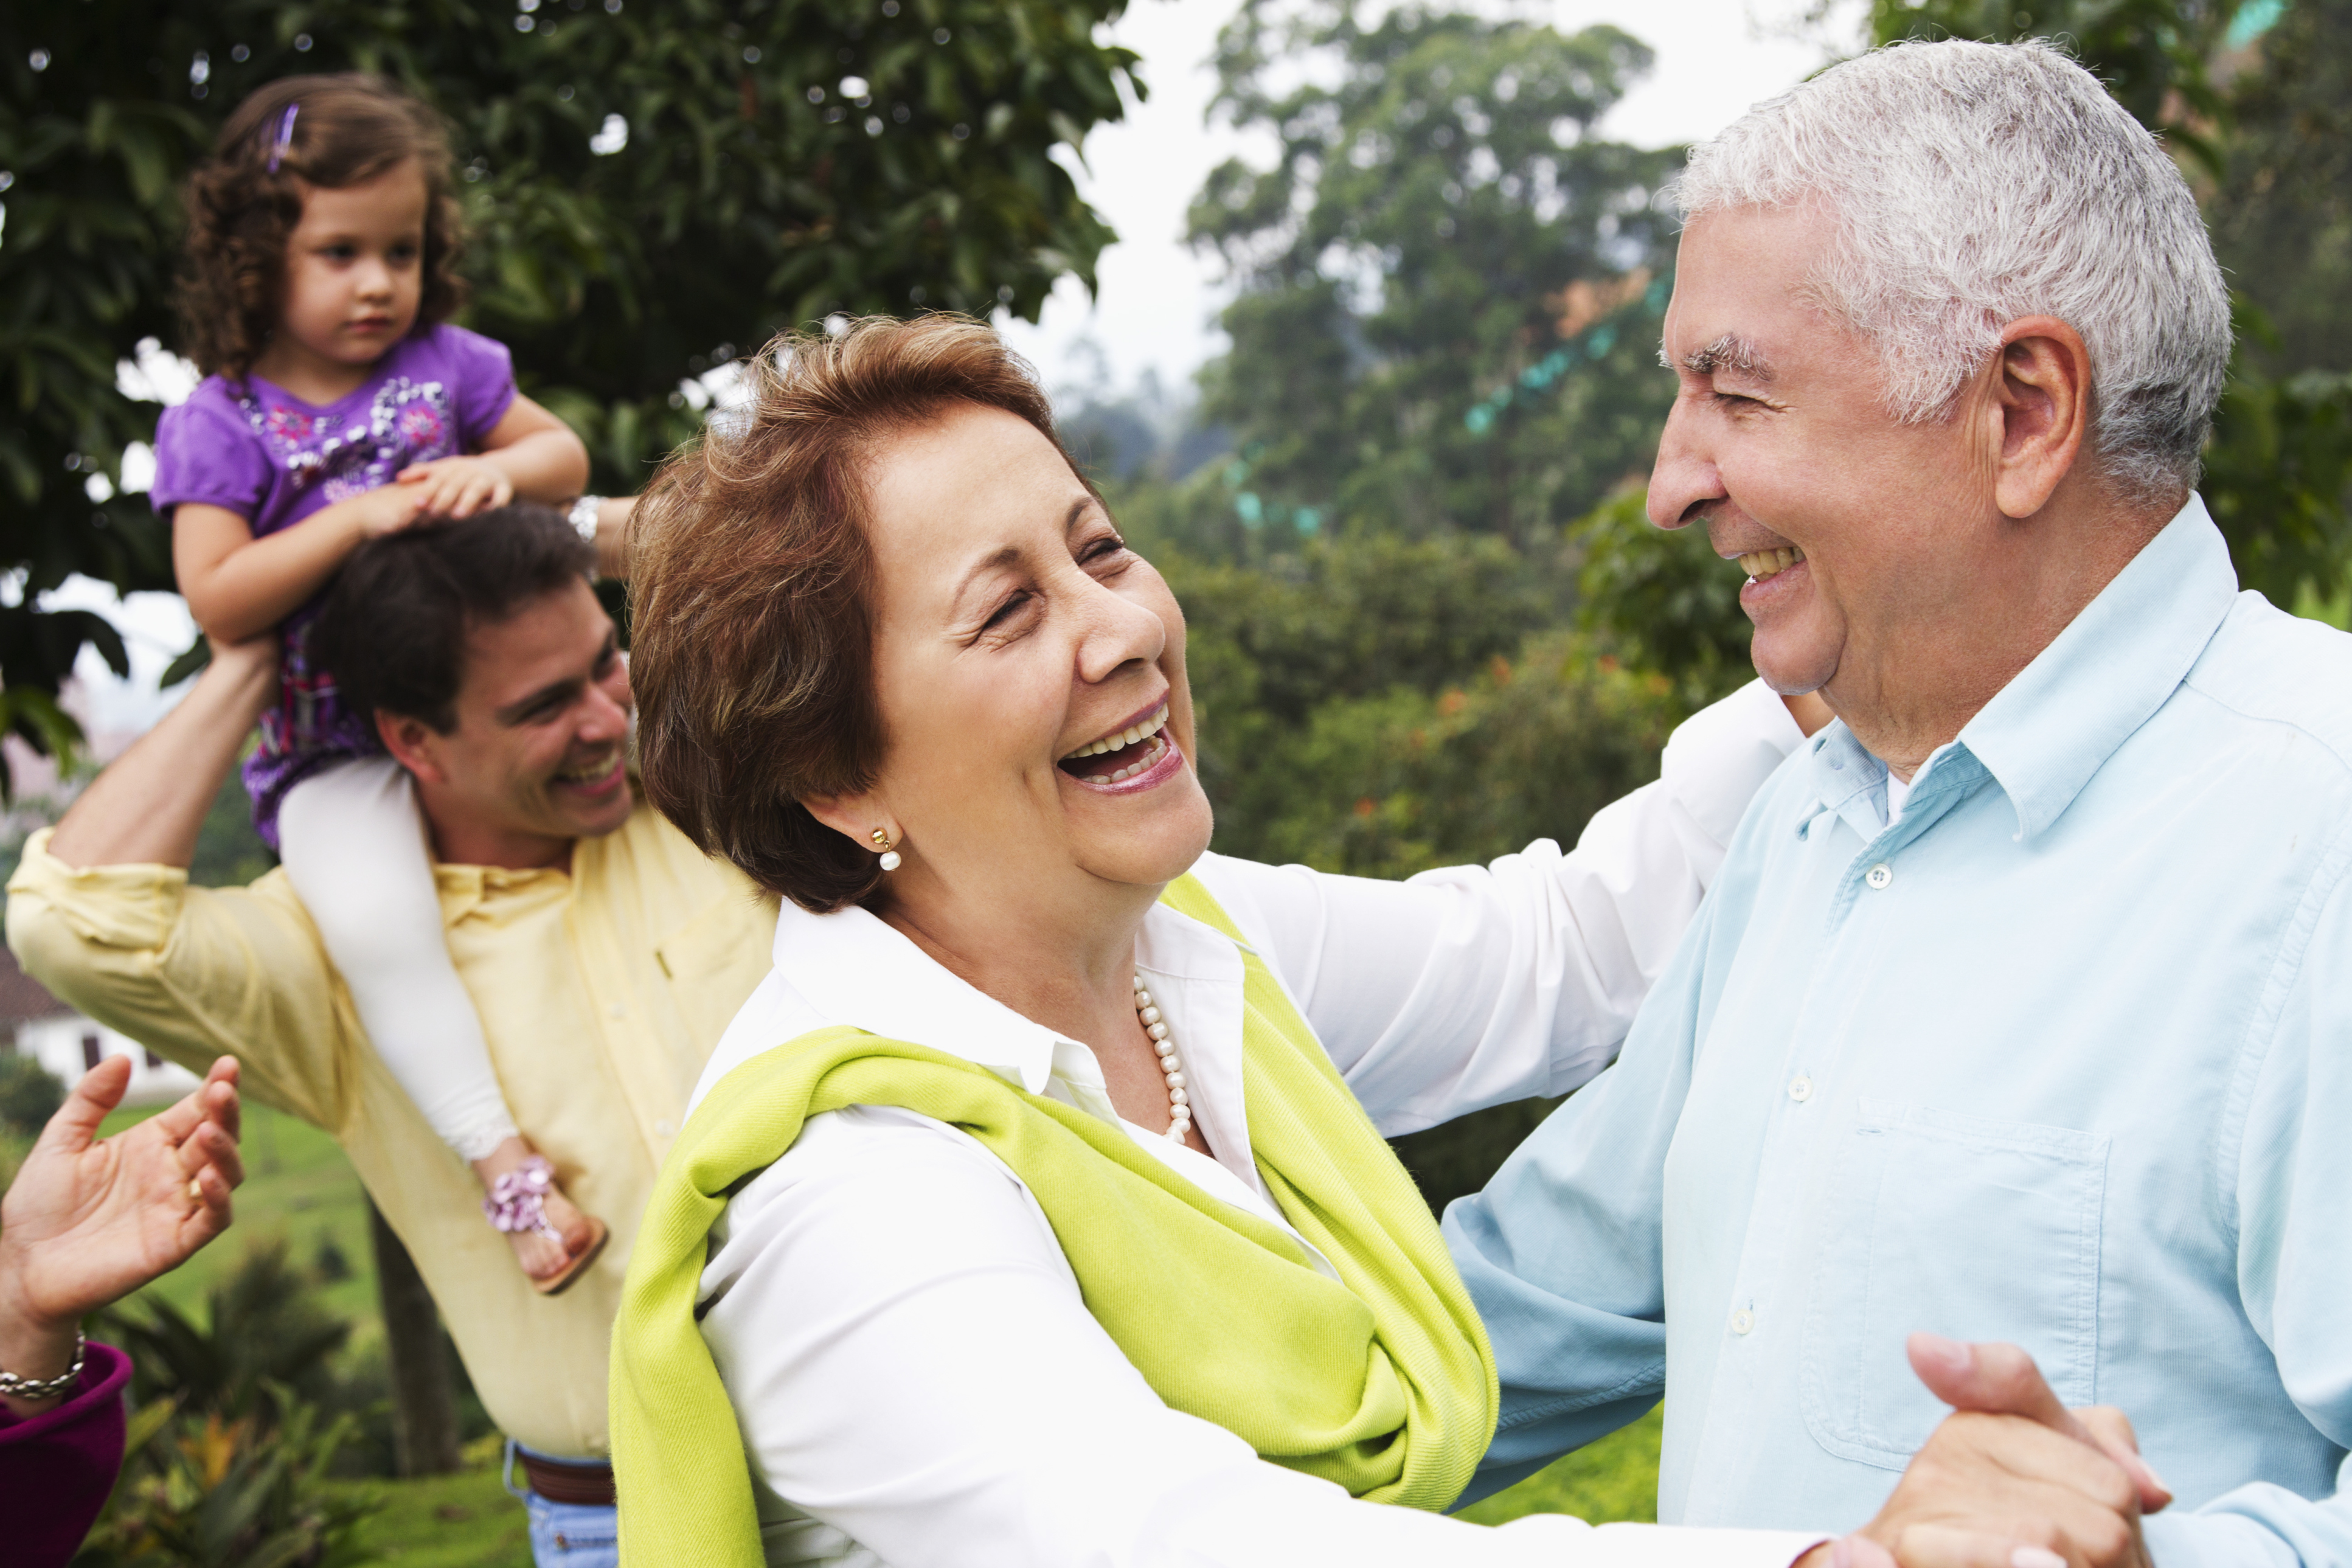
point(1158, 298)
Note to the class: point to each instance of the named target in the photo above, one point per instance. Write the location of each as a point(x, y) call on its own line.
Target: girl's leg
point(353, 847)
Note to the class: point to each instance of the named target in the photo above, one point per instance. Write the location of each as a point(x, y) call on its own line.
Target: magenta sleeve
point(56, 1467)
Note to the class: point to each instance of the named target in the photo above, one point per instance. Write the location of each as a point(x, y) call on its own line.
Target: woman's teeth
point(1158, 749)
point(1762, 564)
point(1127, 737)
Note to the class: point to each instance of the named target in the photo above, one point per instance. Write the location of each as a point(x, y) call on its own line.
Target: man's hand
point(2010, 1480)
point(456, 487)
point(88, 1221)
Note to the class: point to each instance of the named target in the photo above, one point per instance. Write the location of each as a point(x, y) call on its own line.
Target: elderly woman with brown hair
point(1034, 1211)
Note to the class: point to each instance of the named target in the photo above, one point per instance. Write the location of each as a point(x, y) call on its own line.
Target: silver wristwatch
point(583, 517)
point(17, 1387)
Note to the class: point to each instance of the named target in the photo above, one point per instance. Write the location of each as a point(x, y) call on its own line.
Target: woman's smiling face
point(1029, 670)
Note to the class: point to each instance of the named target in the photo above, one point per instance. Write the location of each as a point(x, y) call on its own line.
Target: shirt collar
point(855, 968)
point(2045, 733)
point(2056, 723)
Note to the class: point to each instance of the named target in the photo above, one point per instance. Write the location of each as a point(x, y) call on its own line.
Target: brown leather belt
point(586, 1486)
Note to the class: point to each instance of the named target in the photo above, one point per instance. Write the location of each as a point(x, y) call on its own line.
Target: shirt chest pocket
point(1961, 1225)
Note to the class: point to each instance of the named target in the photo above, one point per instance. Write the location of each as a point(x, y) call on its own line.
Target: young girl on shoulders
point(339, 407)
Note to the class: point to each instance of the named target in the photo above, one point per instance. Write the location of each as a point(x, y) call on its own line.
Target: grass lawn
point(1612, 1481)
point(465, 1521)
point(299, 1188)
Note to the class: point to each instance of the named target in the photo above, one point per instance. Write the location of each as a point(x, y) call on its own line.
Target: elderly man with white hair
point(2015, 1014)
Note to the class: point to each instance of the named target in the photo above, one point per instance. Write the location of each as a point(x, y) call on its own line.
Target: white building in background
point(34, 1023)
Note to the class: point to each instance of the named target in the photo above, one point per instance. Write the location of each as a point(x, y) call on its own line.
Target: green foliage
point(2156, 56)
point(1388, 785)
point(1448, 286)
point(2276, 476)
point(2272, 139)
point(229, 853)
point(1662, 601)
point(264, 1344)
point(2281, 214)
point(750, 196)
point(1341, 621)
point(29, 1095)
point(206, 1491)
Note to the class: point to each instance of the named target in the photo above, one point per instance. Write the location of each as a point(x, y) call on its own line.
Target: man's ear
point(413, 744)
point(854, 818)
point(2042, 401)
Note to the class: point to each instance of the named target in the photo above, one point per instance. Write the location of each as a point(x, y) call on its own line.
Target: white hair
point(1976, 184)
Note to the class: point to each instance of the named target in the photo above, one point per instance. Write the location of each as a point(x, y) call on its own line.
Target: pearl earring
point(890, 855)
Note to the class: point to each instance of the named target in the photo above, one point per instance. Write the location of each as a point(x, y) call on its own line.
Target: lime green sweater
point(1381, 1381)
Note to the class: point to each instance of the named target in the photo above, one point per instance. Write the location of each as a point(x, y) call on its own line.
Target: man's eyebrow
point(1730, 352)
point(515, 712)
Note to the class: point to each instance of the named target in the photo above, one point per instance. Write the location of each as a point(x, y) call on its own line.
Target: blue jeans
point(566, 1534)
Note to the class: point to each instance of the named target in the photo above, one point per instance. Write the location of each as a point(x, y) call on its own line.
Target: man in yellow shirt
point(604, 954)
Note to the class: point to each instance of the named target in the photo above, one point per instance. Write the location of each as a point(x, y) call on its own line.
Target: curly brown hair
point(350, 128)
point(750, 581)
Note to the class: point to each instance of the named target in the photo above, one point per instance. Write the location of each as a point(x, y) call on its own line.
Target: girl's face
point(1031, 675)
point(354, 269)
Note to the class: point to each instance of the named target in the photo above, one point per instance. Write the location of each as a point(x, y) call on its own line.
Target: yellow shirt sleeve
point(192, 972)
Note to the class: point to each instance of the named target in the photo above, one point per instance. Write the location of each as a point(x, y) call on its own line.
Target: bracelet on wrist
point(583, 517)
point(28, 1388)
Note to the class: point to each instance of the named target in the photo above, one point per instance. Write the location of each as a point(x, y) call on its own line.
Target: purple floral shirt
point(273, 459)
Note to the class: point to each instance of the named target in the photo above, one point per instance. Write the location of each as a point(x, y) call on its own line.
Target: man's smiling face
point(1858, 533)
point(536, 758)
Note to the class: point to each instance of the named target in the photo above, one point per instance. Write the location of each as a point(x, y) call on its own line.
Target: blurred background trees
point(653, 188)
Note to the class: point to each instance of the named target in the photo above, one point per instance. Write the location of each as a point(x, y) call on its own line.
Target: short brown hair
point(750, 578)
point(393, 630)
point(350, 128)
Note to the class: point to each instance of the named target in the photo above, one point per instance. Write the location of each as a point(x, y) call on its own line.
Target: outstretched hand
point(2013, 1478)
point(88, 1220)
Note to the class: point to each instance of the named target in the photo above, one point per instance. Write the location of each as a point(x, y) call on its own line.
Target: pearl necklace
point(1179, 1103)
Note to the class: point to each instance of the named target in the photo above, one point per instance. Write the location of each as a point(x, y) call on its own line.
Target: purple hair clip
point(285, 143)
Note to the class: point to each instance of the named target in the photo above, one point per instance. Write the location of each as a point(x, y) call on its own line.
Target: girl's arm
point(528, 453)
point(238, 586)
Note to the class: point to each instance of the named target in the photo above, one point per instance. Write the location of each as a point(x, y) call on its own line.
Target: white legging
point(354, 845)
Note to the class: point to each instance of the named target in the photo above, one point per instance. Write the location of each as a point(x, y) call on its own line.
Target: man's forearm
point(148, 804)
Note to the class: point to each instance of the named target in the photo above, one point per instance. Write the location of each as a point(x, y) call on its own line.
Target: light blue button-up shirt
point(2062, 1057)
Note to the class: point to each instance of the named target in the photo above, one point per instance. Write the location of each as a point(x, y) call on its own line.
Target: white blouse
point(917, 1381)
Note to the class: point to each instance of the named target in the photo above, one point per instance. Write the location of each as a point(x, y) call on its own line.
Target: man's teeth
point(589, 773)
point(1127, 737)
point(1158, 749)
point(1762, 564)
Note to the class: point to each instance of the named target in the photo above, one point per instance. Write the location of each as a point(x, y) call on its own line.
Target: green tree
point(652, 187)
point(2267, 143)
point(2282, 212)
point(1448, 285)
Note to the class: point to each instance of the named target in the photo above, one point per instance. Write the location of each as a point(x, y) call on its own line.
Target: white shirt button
point(1800, 1089)
point(665, 1127)
point(1878, 876)
point(618, 1011)
point(1742, 1320)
